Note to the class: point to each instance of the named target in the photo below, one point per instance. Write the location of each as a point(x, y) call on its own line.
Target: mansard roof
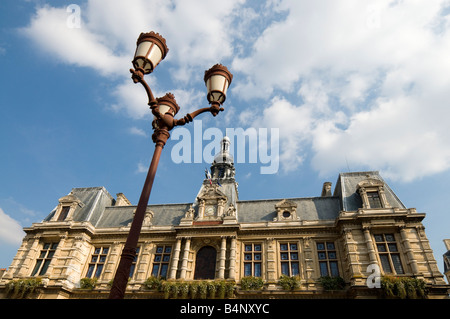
point(347, 185)
point(98, 205)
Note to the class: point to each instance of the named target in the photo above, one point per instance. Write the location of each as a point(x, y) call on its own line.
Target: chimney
point(326, 189)
point(122, 200)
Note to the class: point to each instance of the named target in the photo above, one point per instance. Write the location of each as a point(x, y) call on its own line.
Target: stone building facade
point(358, 232)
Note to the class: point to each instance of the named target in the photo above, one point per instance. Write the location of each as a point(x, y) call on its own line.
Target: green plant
point(289, 283)
point(193, 289)
point(221, 289)
point(183, 289)
point(252, 283)
point(332, 283)
point(203, 289)
point(403, 288)
point(230, 288)
point(153, 283)
point(88, 283)
point(20, 288)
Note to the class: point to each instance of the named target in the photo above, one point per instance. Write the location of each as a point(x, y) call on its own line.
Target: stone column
point(409, 251)
point(370, 247)
point(29, 256)
point(176, 258)
point(232, 267)
point(187, 247)
point(223, 250)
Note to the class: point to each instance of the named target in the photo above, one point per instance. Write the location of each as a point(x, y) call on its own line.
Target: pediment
point(285, 204)
point(211, 192)
point(370, 182)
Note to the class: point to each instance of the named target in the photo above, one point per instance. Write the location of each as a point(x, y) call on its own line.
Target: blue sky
point(349, 85)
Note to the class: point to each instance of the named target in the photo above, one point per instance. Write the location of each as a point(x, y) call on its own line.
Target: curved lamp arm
point(138, 76)
point(214, 109)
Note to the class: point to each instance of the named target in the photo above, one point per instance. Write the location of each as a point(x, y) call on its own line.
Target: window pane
point(392, 247)
point(332, 255)
point(397, 263)
point(378, 238)
point(293, 246)
point(44, 267)
point(166, 258)
point(159, 250)
point(294, 267)
point(164, 270)
point(90, 271)
point(320, 246)
point(157, 258)
point(105, 251)
point(36, 268)
point(132, 270)
point(381, 247)
point(330, 246)
point(257, 256)
point(285, 269)
point(155, 270)
point(247, 269)
point(294, 256)
point(248, 247)
point(284, 247)
point(284, 256)
point(334, 269)
point(247, 256)
point(323, 268)
point(389, 237)
point(46, 246)
point(97, 251)
point(168, 250)
point(322, 256)
point(54, 246)
point(257, 269)
point(257, 247)
point(385, 263)
point(374, 200)
point(98, 272)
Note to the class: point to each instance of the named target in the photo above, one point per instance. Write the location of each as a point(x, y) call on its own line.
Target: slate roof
point(99, 206)
point(346, 189)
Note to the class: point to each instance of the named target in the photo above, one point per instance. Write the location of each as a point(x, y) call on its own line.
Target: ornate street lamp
point(150, 51)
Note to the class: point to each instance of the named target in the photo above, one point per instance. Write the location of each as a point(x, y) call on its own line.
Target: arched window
point(205, 263)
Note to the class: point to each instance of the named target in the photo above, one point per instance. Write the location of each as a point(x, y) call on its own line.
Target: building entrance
point(205, 263)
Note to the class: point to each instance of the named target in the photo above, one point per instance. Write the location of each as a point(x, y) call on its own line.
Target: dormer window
point(372, 194)
point(63, 214)
point(374, 199)
point(66, 208)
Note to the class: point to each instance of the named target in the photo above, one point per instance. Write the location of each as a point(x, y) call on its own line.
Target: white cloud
point(10, 230)
point(78, 46)
point(137, 131)
point(357, 82)
point(372, 81)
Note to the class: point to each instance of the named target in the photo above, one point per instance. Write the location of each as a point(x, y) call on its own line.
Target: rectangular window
point(252, 260)
point(97, 262)
point(389, 254)
point(328, 264)
point(374, 200)
point(289, 259)
point(44, 259)
point(64, 212)
point(133, 265)
point(161, 261)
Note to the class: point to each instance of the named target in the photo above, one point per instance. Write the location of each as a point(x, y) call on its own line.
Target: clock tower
point(217, 197)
